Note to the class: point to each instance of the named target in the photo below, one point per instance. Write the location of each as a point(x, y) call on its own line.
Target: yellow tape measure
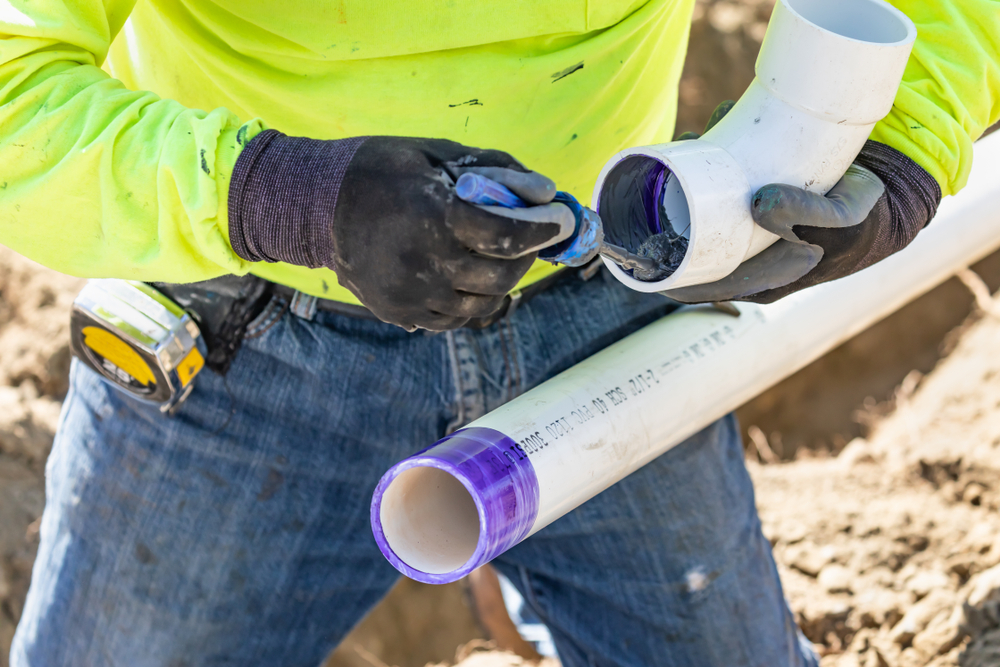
point(138, 340)
point(118, 359)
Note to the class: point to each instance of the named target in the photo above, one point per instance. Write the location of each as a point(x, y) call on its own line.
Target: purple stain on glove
point(584, 244)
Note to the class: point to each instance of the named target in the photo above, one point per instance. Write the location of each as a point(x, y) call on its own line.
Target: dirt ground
point(34, 364)
point(889, 551)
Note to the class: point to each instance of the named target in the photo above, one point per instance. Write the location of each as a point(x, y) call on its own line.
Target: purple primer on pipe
point(498, 476)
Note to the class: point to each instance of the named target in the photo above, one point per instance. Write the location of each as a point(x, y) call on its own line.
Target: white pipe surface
point(826, 73)
point(519, 468)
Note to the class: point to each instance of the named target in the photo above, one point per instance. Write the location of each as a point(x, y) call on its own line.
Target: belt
point(224, 307)
point(509, 305)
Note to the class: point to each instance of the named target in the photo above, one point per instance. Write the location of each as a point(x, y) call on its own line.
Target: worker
point(285, 169)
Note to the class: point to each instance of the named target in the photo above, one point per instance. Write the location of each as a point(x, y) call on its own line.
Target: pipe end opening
point(863, 20)
point(645, 210)
point(429, 520)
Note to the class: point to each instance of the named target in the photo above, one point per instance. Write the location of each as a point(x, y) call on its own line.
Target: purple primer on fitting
point(628, 202)
point(498, 476)
point(655, 180)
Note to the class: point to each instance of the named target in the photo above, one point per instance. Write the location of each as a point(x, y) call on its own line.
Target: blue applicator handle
point(577, 250)
point(483, 191)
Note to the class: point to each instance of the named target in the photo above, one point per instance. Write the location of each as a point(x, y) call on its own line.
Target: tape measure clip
point(138, 340)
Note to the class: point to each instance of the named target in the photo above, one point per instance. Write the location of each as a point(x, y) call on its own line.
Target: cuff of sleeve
point(231, 144)
point(283, 195)
point(912, 194)
point(943, 151)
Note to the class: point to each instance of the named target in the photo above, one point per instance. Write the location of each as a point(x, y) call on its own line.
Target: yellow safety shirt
point(120, 121)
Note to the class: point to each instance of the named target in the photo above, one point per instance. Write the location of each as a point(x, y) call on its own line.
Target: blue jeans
point(236, 532)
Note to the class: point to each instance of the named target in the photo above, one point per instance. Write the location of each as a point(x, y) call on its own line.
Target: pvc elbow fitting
point(826, 73)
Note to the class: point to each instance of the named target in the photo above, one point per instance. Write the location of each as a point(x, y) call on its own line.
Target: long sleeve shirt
point(120, 121)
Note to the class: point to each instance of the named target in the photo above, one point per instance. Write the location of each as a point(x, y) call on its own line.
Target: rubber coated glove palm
point(875, 210)
point(382, 212)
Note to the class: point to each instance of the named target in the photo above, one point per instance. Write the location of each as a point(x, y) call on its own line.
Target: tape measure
point(138, 340)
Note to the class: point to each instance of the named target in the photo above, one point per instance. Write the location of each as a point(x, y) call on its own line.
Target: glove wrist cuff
point(912, 194)
point(282, 198)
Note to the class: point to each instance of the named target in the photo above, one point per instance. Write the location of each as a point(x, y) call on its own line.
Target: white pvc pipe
point(826, 73)
point(517, 469)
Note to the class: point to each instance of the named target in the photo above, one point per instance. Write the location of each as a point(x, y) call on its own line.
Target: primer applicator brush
point(586, 242)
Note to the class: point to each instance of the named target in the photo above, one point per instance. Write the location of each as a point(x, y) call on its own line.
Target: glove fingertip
point(566, 221)
point(719, 113)
point(778, 208)
point(526, 230)
point(533, 187)
point(767, 198)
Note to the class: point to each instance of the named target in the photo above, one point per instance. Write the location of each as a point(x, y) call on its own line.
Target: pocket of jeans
point(267, 318)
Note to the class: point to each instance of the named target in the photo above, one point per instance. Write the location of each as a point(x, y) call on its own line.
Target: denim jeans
point(236, 532)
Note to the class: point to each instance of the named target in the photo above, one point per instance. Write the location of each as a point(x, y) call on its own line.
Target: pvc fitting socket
point(826, 73)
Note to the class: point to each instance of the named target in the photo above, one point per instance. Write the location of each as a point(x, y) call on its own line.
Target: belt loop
point(466, 368)
point(303, 305)
point(590, 270)
point(515, 301)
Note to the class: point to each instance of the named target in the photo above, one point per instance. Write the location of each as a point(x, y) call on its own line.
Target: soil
point(890, 552)
point(34, 368)
point(883, 516)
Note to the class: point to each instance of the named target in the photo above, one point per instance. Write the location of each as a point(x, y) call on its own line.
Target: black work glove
point(875, 210)
point(382, 212)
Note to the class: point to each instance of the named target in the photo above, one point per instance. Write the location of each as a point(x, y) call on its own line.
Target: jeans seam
point(465, 369)
point(71, 397)
point(272, 313)
point(456, 379)
point(509, 374)
point(528, 592)
point(517, 383)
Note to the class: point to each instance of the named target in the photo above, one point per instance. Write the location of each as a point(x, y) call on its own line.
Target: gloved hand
point(875, 210)
point(382, 212)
